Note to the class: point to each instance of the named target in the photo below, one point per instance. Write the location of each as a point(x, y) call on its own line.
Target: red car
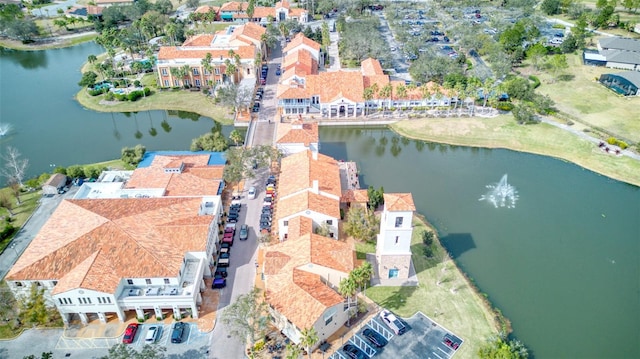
point(130, 333)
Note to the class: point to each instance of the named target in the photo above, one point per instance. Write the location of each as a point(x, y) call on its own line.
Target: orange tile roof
point(299, 226)
point(250, 30)
point(197, 177)
point(173, 53)
point(282, 4)
point(296, 11)
point(200, 40)
point(355, 195)
point(293, 71)
point(301, 169)
point(206, 8)
point(398, 202)
point(299, 295)
point(291, 91)
point(300, 39)
point(94, 10)
point(261, 11)
point(298, 132)
point(94, 243)
point(234, 6)
point(371, 67)
point(331, 86)
point(303, 201)
point(380, 80)
point(301, 59)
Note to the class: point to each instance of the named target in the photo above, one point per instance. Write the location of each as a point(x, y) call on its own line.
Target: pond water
point(51, 129)
point(563, 263)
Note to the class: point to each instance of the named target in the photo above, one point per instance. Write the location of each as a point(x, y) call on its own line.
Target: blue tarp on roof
point(215, 158)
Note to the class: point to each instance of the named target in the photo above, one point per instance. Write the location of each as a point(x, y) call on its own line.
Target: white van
point(152, 334)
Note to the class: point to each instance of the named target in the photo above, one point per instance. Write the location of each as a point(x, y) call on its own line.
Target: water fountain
point(5, 128)
point(501, 194)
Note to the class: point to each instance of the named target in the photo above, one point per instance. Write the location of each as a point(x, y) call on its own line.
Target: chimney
point(316, 187)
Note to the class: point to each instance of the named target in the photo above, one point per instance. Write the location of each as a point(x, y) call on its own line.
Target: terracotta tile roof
point(173, 52)
point(331, 86)
point(94, 10)
point(250, 30)
point(263, 12)
point(301, 296)
point(380, 80)
point(298, 40)
point(200, 40)
point(291, 91)
point(303, 201)
point(398, 202)
point(299, 226)
point(298, 132)
point(293, 71)
point(94, 243)
point(301, 59)
point(301, 169)
point(296, 11)
point(234, 6)
point(282, 4)
point(197, 177)
point(355, 195)
point(206, 8)
point(371, 67)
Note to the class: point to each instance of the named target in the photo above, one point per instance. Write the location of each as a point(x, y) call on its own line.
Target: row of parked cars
point(266, 216)
point(374, 338)
point(153, 333)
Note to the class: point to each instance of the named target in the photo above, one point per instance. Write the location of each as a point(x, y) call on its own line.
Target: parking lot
point(424, 338)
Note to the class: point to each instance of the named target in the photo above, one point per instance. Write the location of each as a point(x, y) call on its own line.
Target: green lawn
point(453, 302)
point(585, 99)
point(28, 204)
point(362, 248)
point(504, 132)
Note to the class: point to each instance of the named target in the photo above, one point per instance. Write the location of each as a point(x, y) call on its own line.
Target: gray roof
point(619, 43)
point(622, 57)
point(631, 76)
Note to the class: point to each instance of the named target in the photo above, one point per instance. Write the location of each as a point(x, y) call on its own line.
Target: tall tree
point(15, 167)
point(236, 137)
point(309, 339)
point(7, 203)
point(247, 318)
point(360, 224)
point(123, 351)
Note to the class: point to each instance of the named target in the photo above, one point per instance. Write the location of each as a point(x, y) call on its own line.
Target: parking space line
point(437, 355)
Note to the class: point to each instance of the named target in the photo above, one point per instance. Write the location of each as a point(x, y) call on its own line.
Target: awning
point(226, 16)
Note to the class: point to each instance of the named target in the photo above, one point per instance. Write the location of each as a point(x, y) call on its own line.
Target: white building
point(296, 137)
point(393, 249)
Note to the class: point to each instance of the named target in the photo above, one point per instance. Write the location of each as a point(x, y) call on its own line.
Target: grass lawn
point(453, 303)
point(205, 27)
point(504, 132)
point(182, 100)
point(28, 204)
point(362, 248)
point(585, 99)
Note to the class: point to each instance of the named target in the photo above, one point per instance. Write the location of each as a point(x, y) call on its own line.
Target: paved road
point(400, 64)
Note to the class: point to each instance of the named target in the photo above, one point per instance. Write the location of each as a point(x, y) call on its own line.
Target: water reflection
point(27, 59)
point(184, 115)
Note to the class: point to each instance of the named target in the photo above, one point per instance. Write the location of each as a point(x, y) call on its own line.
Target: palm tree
point(309, 339)
point(362, 274)
point(230, 70)
point(92, 59)
point(348, 289)
point(206, 64)
point(385, 92)
point(235, 136)
point(171, 29)
point(186, 71)
point(293, 351)
point(367, 94)
point(401, 91)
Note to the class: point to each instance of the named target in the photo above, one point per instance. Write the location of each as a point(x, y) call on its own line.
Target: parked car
point(263, 82)
point(236, 207)
point(353, 352)
point(252, 193)
point(450, 342)
point(152, 334)
point(232, 217)
point(278, 72)
point(177, 332)
point(393, 322)
point(224, 259)
point(130, 333)
point(374, 337)
point(221, 271)
point(218, 282)
point(225, 250)
point(244, 232)
point(260, 90)
point(267, 210)
point(271, 179)
point(265, 217)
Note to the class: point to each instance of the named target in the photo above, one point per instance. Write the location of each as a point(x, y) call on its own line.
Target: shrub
point(428, 252)
point(134, 95)
point(140, 320)
point(160, 318)
point(120, 97)
point(622, 145)
point(536, 81)
point(427, 238)
point(505, 106)
point(7, 231)
point(136, 83)
point(109, 96)
point(258, 346)
point(611, 140)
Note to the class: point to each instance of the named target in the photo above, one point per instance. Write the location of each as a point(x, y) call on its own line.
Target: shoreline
point(500, 134)
point(56, 42)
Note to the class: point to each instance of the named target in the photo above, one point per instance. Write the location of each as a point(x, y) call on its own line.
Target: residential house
point(282, 11)
point(615, 52)
point(301, 42)
point(623, 83)
point(237, 45)
point(129, 248)
point(301, 277)
point(310, 187)
point(54, 184)
point(393, 247)
point(297, 136)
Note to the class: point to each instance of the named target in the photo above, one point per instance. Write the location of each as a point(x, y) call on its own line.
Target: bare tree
point(15, 167)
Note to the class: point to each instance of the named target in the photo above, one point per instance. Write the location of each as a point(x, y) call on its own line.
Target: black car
point(375, 338)
point(267, 210)
point(232, 219)
point(260, 90)
point(235, 207)
point(264, 225)
point(353, 352)
point(255, 109)
point(177, 332)
point(222, 271)
point(225, 245)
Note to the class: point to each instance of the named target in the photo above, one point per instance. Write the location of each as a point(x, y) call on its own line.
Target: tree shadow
point(458, 243)
point(566, 77)
point(398, 298)
point(202, 352)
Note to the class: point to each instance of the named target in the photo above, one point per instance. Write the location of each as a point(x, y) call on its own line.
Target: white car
point(252, 193)
point(152, 334)
point(393, 322)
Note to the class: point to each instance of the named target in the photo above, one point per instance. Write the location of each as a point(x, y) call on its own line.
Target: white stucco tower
point(393, 250)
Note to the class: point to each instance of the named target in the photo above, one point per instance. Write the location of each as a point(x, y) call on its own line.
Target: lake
point(51, 129)
point(563, 264)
